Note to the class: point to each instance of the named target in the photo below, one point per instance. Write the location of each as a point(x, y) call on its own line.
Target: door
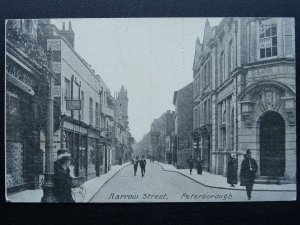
point(272, 144)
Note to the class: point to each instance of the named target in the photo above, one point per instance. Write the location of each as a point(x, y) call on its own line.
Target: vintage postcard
point(150, 110)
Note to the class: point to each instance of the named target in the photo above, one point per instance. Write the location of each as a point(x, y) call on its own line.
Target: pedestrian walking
point(135, 164)
point(62, 180)
point(199, 164)
point(248, 172)
point(143, 166)
point(232, 169)
point(190, 162)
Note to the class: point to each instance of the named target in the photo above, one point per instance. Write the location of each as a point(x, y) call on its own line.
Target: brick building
point(183, 102)
point(244, 95)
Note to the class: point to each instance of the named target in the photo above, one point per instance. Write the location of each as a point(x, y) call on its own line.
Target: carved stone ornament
point(291, 117)
point(269, 99)
point(247, 119)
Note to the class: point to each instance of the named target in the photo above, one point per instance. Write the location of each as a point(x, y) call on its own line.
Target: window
point(205, 112)
point(230, 56)
point(267, 38)
point(67, 89)
point(223, 138)
point(232, 129)
point(91, 111)
point(82, 105)
point(222, 67)
point(28, 26)
point(97, 115)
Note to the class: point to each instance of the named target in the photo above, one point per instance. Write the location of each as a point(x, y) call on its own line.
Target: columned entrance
point(272, 144)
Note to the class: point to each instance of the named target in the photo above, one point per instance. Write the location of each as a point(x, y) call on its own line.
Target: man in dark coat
point(248, 171)
point(232, 170)
point(135, 164)
point(190, 162)
point(62, 180)
point(143, 166)
point(199, 166)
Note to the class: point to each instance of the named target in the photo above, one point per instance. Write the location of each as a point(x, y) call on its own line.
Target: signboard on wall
point(73, 104)
point(183, 143)
point(56, 91)
point(53, 44)
point(56, 67)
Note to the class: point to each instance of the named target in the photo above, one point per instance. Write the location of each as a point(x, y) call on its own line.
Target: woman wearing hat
point(62, 179)
point(232, 170)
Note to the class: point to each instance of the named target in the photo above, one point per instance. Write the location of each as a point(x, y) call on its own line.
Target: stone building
point(183, 102)
point(161, 128)
point(244, 95)
point(122, 137)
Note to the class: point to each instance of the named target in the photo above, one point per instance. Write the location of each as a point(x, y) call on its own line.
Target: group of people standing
point(142, 163)
point(191, 163)
point(247, 174)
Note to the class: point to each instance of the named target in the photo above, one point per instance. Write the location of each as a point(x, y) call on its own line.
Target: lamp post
point(49, 169)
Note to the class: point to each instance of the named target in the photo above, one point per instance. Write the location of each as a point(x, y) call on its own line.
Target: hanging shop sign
point(73, 104)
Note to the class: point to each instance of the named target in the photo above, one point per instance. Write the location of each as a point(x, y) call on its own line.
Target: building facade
point(183, 102)
point(122, 140)
point(26, 91)
point(82, 97)
point(244, 97)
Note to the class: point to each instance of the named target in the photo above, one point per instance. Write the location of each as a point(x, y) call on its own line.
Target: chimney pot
point(70, 25)
point(63, 26)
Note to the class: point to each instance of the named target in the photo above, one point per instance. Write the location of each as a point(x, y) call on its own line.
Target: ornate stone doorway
point(272, 144)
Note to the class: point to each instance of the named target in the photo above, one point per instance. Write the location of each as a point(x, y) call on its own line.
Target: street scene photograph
point(137, 110)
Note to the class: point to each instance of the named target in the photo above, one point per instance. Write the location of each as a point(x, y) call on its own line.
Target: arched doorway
point(272, 144)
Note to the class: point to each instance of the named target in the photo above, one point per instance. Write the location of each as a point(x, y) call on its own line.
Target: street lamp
point(49, 167)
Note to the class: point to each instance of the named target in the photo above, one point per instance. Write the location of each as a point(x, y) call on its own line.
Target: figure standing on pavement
point(232, 169)
point(135, 164)
point(199, 166)
point(62, 180)
point(190, 162)
point(143, 166)
point(248, 171)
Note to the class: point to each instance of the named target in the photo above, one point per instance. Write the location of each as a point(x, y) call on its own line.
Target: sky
point(151, 57)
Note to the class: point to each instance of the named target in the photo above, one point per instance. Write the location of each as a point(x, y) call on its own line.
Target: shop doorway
point(272, 144)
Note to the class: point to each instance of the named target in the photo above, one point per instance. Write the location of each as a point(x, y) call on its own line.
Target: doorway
point(272, 144)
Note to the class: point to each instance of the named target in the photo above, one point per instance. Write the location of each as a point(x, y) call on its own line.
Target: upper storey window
point(267, 38)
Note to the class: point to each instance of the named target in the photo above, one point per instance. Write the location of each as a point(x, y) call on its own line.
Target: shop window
point(268, 39)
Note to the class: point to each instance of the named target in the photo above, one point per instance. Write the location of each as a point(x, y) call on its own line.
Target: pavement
point(161, 185)
point(218, 181)
point(83, 194)
point(164, 183)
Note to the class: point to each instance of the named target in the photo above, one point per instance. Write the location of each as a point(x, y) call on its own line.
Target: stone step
point(272, 180)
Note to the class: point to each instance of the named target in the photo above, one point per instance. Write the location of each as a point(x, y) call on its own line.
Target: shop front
point(76, 143)
point(24, 159)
